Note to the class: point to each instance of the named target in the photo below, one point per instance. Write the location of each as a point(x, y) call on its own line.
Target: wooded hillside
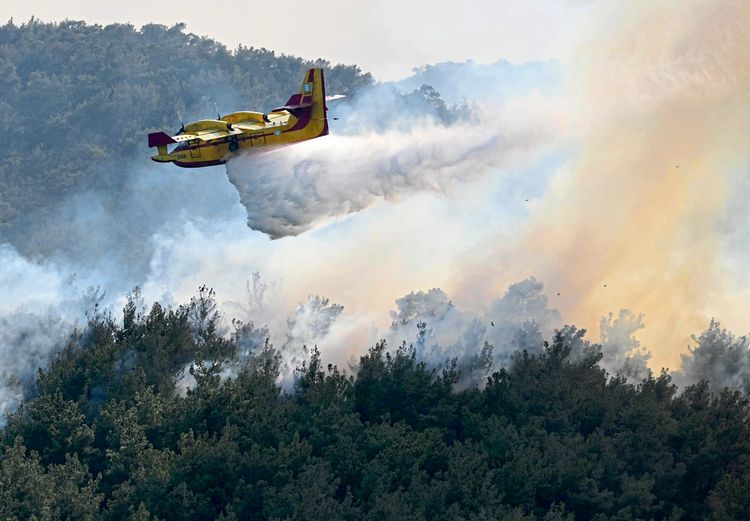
point(116, 432)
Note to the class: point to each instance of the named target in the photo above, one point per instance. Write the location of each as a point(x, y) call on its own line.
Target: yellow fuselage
point(213, 141)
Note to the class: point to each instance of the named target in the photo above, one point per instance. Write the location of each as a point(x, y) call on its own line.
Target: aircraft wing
point(215, 134)
point(161, 139)
point(249, 126)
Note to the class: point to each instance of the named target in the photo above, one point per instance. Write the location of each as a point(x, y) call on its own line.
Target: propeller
point(182, 123)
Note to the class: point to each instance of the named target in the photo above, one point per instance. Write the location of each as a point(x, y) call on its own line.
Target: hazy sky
point(385, 37)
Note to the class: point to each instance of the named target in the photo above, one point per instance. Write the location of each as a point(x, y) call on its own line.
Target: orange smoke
point(632, 223)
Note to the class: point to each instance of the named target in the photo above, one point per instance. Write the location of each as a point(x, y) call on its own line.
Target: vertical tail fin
point(311, 95)
point(309, 104)
point(313, 90)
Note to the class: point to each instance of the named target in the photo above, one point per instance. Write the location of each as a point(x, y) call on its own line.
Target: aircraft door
point(195, 151)
point(258, 141)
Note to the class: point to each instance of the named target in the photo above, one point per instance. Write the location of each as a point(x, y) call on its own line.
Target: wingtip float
point(212, 142)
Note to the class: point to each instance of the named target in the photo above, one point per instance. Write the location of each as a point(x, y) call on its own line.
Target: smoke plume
point(622, 353)
point(387, 146)
point(617, 179)
point(480, 344)
point(660, 97)
point(720, 358)
point(39, 314)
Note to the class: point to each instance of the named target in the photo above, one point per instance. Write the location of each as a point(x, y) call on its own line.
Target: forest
point(181, 413)
point(117, 429)
point(77, 100)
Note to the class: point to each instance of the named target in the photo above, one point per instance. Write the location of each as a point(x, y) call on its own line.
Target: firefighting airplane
point(211, 142)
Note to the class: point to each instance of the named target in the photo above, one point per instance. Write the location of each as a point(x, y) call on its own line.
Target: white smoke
point(308, 327)
point(406, 149)
point(480, 344)
point(622, 353)
point(387, 146)
point(40, 311)
point(492, 83)
point(718, 357)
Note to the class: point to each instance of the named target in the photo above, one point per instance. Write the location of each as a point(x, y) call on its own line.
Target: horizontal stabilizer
point(335, 97)
point(293, 106)
point(296, 102)
point(156, 139)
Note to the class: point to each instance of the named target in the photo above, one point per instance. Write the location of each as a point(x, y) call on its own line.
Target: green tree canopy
point(112, 431)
